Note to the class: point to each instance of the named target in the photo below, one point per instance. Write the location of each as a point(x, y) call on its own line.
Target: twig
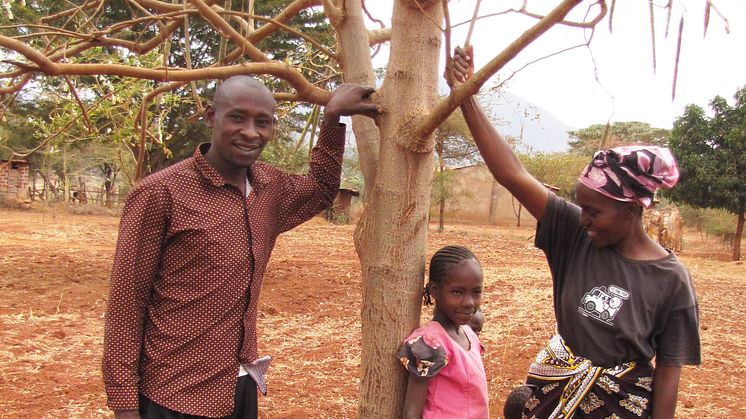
point(74, 92)
point(372, 19)
point(447, 37)
point(473, 21)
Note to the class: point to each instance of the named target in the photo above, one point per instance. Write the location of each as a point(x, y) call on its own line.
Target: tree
point(453, 147)
point(560, 170)
point(396, 151)
point(588, 140)
point(711, 154)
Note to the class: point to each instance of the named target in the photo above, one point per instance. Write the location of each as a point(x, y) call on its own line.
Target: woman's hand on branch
point(462, 65)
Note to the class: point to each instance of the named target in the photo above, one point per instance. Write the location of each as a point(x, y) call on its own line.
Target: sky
point(627, 89)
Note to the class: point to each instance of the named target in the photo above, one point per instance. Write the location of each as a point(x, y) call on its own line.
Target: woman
point(620, 299)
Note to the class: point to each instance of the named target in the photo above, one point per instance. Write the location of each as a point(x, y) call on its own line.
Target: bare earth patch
point(54, 273)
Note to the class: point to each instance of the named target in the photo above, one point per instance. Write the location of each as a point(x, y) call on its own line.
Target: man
point(194, 242)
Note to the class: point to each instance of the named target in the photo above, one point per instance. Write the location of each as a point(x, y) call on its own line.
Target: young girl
point(444, 356)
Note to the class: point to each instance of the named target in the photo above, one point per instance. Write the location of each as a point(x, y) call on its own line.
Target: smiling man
point(194, 242)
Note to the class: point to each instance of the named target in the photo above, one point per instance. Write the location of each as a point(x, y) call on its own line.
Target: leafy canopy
point(587, 141)
point(711, 153)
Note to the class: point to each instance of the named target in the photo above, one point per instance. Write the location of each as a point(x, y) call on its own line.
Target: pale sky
point(627, 89)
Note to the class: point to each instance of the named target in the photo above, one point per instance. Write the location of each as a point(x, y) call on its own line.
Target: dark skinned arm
point(665, 391)
point(497, 154)
point(415, 399)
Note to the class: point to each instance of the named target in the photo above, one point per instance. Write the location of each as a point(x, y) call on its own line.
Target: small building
point(339, 212)
point(14, 175)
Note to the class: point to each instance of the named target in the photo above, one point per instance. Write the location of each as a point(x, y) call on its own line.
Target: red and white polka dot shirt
point(188, 269)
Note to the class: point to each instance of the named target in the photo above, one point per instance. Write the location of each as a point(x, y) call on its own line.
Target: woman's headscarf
point(632, 173)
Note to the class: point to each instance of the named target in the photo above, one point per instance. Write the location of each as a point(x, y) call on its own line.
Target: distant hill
point(537, 129)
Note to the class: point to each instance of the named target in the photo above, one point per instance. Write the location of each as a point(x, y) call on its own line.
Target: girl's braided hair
point(441, 262)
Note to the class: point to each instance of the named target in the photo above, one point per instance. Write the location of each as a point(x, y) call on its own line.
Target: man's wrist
point(331, 118)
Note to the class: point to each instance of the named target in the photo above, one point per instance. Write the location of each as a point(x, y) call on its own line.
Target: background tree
point(711, 153)
point(396, 151)
point(587, 141)
point(454, 147)
point(560, 170)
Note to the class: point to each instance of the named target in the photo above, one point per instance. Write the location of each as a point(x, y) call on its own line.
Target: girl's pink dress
point(457, 389)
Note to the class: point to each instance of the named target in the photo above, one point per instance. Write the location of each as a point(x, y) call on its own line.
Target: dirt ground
point(54, 281)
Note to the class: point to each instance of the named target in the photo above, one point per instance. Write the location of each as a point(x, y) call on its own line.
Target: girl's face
point(459, 296)
point(608, 221)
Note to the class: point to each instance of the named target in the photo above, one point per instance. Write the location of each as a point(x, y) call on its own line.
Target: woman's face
point(608, 221)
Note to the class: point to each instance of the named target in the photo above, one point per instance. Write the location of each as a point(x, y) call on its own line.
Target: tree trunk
point(442, 192)
point(520, 208)
point(492, 217)
point(442, 215)
point(391, 235)
point(357, 67)
point(739, 233)
point(66, 190)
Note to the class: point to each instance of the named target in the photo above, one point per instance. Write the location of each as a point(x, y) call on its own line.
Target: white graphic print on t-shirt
point(601, 304)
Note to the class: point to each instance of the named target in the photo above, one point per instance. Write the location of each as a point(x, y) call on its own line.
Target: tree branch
point(303, 87)
point(227, 30)
point(379, 36)
point(471, 87)
point(74, 92)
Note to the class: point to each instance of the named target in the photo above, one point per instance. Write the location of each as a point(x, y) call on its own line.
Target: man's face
point(242, 122)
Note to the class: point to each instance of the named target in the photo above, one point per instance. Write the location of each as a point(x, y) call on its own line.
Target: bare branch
point(472, 86)
point(333, 12)
point(447, 36)
point(188, 59)
point(379, 36)
point(587, 25)
point(530, 63)
point(372, 19)
point(72, 11)
point(225, 28)
point(13, 88)
point(74, 92)
point(474, 18)
point(288, 29)
point(142, 118)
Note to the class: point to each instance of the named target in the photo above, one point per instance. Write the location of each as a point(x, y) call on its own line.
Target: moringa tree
point(396, 151)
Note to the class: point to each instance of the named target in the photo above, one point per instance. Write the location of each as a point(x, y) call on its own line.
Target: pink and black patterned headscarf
point(632, 173)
